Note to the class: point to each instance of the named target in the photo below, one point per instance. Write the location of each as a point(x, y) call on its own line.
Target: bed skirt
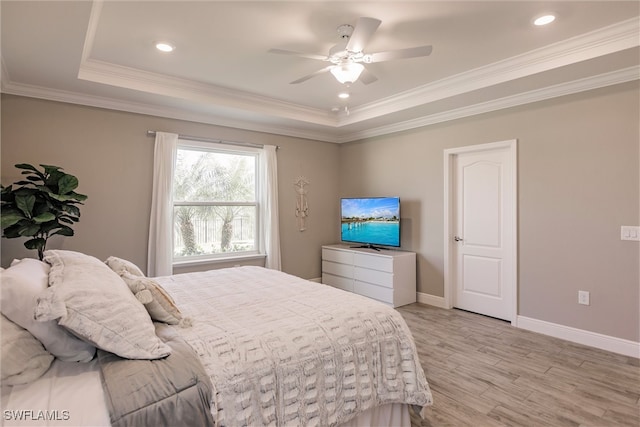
point(391, 414)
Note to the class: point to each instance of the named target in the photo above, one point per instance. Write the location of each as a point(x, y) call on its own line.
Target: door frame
point(449, 217)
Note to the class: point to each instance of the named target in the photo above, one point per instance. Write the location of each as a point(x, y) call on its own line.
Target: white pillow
point(20, 286)
point(24, 359)
point(94, 303)
point(120, 265)
point(159, 304)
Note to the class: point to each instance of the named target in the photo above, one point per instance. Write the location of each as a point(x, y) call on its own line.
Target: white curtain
point(160, 252)
point(270, 220)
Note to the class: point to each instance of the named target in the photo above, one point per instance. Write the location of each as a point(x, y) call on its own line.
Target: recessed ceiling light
point(343, 95)
point(165, 47)
point(544, 20)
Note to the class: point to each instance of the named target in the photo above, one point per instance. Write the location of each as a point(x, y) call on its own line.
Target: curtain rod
point(218, 141)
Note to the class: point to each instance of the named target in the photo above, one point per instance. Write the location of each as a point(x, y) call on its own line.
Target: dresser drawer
point(374, 262)
point(337, 256)
point(372, 276)
point(338, 282)
point(337, 269)
point(386, 276)
point(372, 291)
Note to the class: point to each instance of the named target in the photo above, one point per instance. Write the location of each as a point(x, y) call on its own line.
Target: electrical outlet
point(583, 297)
point(628, 232)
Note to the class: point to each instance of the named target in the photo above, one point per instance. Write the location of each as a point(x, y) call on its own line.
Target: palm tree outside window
point(215, 202)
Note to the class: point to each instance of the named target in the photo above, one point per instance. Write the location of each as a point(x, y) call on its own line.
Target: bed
point(237, 346)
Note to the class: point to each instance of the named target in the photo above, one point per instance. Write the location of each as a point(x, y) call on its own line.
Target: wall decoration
point(302, 207)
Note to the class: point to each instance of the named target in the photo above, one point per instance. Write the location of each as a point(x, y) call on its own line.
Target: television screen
point(371, 221)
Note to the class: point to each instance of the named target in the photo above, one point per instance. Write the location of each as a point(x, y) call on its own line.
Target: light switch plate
point(629, 232)
point(583, 297)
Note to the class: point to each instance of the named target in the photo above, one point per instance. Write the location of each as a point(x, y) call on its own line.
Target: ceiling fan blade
point(302, 55)
point(412, 52)
point(367, 77)
point(364, 29)
point(308, 76)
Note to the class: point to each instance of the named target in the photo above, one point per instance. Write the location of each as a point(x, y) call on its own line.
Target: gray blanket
point(174, 391)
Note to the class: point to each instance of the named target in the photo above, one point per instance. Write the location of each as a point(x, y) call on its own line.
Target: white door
point(483, 202)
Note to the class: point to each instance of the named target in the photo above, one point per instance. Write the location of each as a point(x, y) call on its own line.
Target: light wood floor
point(483, 372)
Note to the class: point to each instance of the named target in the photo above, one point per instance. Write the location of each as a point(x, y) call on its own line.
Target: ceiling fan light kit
point(348, 55)
point(347, 72)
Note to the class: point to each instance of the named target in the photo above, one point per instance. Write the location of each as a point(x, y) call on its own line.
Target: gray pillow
point(20, 286)
point(94, 303)
point(24, 359)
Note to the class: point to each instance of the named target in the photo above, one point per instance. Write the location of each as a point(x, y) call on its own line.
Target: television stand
point(368, 246)
point(387, 276)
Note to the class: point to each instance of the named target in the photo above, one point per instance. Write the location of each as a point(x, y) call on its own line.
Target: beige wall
point(112, 157)
point(578, 182)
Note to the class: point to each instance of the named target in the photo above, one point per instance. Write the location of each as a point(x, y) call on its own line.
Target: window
point(215, 201)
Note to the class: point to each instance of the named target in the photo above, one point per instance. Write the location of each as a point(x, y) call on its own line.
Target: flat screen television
point(370, 222)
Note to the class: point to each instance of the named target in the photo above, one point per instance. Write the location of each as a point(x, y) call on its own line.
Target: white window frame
point(258, 252)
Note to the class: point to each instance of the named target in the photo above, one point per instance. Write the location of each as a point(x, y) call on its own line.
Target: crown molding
point(585, 84)
point(569, 88)
point(144, 81)
point(32, 91)
point(614, 38)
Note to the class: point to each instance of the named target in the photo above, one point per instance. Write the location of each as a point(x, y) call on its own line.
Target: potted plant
point(43, 205)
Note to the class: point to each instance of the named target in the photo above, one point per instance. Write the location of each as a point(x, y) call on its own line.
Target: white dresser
point(388, 276)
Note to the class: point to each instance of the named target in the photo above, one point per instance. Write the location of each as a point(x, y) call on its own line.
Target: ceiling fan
point(347, 57)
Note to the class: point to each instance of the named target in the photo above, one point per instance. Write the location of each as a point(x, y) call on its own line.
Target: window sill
point(218, 260)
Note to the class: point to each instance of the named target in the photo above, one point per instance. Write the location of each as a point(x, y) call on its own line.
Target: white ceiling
point(486, 56)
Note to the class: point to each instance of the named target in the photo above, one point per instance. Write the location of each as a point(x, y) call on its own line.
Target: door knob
point(457, 239)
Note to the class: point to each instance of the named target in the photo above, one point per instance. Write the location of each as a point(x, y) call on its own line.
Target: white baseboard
point(431, 300)
point(580, 336)
point(317, 280)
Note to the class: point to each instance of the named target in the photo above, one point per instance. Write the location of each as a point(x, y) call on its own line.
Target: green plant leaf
point(26, 166)
point(25, 203)
point(44, 217)
point(30, 169)
point(48, 169)
point(67, 183)
point(30, 230)
point(53, 180)
point(10, 217)
point(36, 243)
point(71, 210)
point(47, 227)
point(79, 197)
point(63, 231)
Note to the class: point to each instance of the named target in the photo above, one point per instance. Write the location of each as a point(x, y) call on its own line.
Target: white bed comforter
point(281, 350)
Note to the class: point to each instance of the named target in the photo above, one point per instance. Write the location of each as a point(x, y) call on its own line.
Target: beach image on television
point(371, 220)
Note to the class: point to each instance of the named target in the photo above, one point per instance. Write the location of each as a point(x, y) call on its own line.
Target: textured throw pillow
point(20, 286)
point(120, 265)
point(156, 300)
point(94, 303)
point(24, 359)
